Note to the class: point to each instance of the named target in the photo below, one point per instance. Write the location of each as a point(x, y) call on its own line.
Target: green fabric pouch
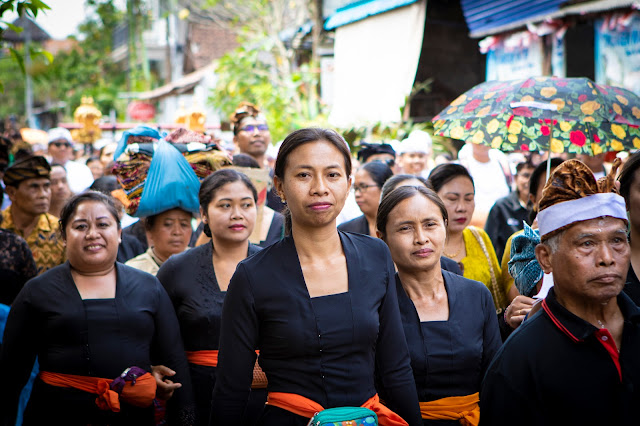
point(343, 416)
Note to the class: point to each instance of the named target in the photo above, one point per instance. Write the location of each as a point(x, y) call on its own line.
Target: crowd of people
point(429, 291)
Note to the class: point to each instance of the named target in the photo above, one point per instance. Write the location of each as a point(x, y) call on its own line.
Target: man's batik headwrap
point(30, 168)
point(244, 110)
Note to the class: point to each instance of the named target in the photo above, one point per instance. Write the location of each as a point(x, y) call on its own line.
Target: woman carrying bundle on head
point(320, 305)
point(168, 233)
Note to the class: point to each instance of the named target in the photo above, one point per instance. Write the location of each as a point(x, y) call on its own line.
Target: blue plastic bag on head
point(136, 131)
point(170, 183)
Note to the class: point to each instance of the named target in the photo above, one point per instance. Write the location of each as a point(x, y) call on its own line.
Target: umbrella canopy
point(545, 113)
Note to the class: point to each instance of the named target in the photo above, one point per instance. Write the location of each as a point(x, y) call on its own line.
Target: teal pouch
point(344, 416)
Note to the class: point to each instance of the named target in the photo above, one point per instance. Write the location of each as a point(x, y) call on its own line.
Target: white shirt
point(79, 176)
point(488, 178)
point(350, 209)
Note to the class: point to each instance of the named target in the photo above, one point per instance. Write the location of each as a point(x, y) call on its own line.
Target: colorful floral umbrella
point(545, 113)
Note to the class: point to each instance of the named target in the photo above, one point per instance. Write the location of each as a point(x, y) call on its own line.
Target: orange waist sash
point(302, 406)
point(140, 394)
point(209, 358)
point(206, 358)
point(462, 408)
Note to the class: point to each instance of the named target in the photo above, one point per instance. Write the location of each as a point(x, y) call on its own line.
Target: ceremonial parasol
point(572, 115)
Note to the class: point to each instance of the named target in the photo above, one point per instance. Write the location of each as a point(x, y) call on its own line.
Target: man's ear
point(11, 191)
point(543, 254)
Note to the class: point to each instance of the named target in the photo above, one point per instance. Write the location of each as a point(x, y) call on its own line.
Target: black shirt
point(557, 369)
point(505, 218)
point(450, 358)
point(129, 247)
point(632, 287)
point(359, 225)
point(91, 337)
point(268, 308)
point(16, 265)
point(191, 283)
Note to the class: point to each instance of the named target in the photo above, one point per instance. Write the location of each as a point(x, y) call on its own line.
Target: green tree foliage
point(87, 70)
point(30, 8)
point(263, 70)
point(243, 76)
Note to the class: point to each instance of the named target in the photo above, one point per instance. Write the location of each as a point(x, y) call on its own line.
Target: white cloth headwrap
point(586, 208)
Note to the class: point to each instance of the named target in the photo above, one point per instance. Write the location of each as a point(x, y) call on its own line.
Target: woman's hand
point(517, 310)
point(166, 387)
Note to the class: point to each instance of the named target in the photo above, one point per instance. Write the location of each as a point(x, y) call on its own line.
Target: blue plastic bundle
point(170, 183)
point(136, 131)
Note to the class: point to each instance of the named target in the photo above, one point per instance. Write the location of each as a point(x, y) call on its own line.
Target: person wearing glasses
point(367, 187)
point(251, 136)
point(61, 152)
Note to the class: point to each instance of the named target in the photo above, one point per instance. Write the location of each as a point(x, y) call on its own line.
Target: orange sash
point(298, 404)
point(462, 408)
point(141, 394)
point(209, 358)
point(206, 358)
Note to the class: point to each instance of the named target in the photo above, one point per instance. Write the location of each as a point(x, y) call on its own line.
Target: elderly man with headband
point(576, 360)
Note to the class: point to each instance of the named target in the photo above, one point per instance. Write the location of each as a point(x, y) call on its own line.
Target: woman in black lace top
point(16, 263)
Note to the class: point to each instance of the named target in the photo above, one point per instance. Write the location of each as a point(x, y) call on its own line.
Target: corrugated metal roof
point(485, 17)
point(361, 10)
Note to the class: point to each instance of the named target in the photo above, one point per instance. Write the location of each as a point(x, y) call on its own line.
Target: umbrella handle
point(549, 152)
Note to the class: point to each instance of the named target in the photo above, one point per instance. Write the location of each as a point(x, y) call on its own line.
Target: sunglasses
point(390, 162)
point(61, 144)
point(253, 127)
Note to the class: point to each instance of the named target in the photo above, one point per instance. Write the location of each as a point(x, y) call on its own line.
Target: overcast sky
point(63, 18)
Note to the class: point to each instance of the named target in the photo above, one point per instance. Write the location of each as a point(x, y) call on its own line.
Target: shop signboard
point(617, 51)
point(141, 111)
point(517, 57)
point(558, 64)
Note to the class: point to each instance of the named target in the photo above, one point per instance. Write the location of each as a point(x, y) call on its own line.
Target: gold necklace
point(454, 255)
